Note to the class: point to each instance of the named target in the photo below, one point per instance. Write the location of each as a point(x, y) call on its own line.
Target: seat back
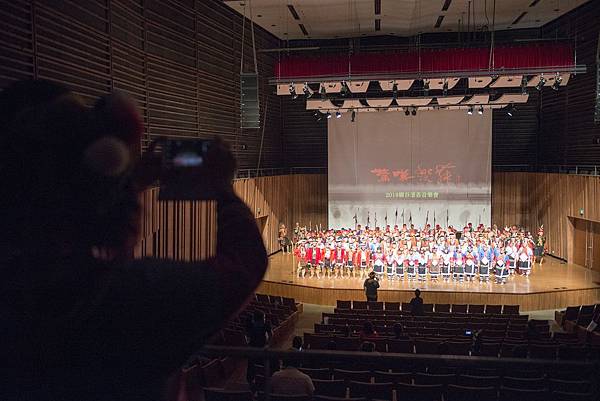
point(419, 392)
point(216, 394)
point(514, 394)
point(361, 305)
point(444, 308)
point(510, 310)
point(319, 373)
point(493, 309)
point(572, 312)
point(333, 388)
point(467, 393)
point(352, 375)
point(400, 346)
point(375, 305)
point(371, 390)
point(459, 308)
point(526, 383)
point(428, 307)
point(344, 304)
point(476, 308)
point(392, 306)
point(388, 377)
point(478, 381)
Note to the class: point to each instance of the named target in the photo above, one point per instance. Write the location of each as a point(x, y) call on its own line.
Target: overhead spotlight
point(328, 115)
point(353, 115)
point(524, 81)
point(293, 91)
point(557, 81)
point(306, 90)
point(470, 110)
point(414, 111)
point(480, 111)
point(445, 88)
point(338, 114)
point(319, 115)
point(323, 91)
point(541, 84)
point(511, 110)
point(425, 87)
point(316, 113)
point(406, 112)
point(395, 90)
point(344, 90)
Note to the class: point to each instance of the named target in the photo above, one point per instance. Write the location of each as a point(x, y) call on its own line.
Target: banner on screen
point(389, 168)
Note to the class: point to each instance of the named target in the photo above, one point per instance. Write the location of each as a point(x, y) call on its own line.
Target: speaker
point(250, 108)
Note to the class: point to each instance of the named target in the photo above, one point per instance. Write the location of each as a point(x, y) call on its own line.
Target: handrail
point(576, 169)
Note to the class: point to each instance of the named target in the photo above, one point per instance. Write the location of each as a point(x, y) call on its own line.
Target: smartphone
point(468, 333)
point(185, 176)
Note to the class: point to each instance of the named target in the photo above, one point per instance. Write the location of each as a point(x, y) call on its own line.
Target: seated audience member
point(291, 381)
point(416, 304)
point(399, 332)
point(368, 332)
point(86, 321)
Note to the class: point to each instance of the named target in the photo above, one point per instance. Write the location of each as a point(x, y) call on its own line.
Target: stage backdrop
point(434, 167)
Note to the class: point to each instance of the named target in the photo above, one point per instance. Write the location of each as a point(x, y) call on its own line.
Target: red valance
point(535, 56)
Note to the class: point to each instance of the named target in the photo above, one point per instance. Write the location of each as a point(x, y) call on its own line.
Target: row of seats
point(387, 385)
point(446, 308)
point(459, 346)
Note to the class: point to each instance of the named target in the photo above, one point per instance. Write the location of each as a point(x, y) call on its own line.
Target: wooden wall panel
point(532, 199)
point(180, 60)
point(187, 230)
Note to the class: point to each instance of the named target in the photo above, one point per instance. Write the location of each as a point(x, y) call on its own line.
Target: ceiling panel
point(344, 18)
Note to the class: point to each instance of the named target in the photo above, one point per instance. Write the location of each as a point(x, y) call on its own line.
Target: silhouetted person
point(259, 334)
point(297, 343)
point(81, 319)
point(416, 304)
point(371, 285)
point(399, 332)
point(368, 332)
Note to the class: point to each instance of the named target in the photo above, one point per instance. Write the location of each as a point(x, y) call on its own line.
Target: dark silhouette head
point(417, 293)
point(398, 330)
point(297, 342)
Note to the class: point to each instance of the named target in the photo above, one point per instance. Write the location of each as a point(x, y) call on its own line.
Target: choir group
point(409, 253)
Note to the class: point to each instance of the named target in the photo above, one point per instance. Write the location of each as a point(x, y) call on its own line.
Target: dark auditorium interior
point(282, 82)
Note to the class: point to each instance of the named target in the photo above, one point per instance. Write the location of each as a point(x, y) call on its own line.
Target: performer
point(422, 266)
point(364, 261)
point(378, 262)
point(401, 263)
point(350, 255)
point(540, 246)
point(340, 255)
point(302, 255)
point(525, 257)
point(410, 271)
point(446, 261)
point(484, 264)
point(459, 268)
point(470, 265)
point(434, 268)
point(389, 262)
point(284, 241)
point(501, 269)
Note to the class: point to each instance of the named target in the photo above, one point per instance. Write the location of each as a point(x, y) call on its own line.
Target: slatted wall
point(532, 199)
point(180, 60)
point(187, 230)
point(567, 117)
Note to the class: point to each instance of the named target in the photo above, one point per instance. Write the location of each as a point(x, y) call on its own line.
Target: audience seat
point(375, 305)
point(514, 394)
point(325, 398)
point(581, 386)
point(290, 397)
point(400, 346)
point(344, 304)
point(478, 381)
point(432, 378)
point(525, 383)
point(444, 308)
point(476, 309)
point(570, 396)
point(216, 394)
point(395, 378)
point(459, 308)
point(318, 373)
point(392, 306)
point(493, 309)
point(359, 305)
point(466, 393)
point(381, 391)
point(510, 310)
point(333, 388)
point(419, 392)
point(352, 375)
point(406, 307)
point(428, 308)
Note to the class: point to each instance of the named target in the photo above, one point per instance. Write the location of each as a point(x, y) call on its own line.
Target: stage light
point(480, 111)
point(524, 81)
point(557, 81)
point(293, 91)
point(511, 110)
point(445, 88)
point(414, 111)
point(338, 114)
point(344, 89)
point(306, 90)
point(353, 115)
point(406, 112)
point(540, 84)
point(328, 115)
point(395, 91)
point(470, 110)
point(425, 87)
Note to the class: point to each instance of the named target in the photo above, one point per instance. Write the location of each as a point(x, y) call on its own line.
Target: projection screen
point(389, 168)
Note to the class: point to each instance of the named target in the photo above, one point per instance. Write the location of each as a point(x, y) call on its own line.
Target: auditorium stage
point(554, 285)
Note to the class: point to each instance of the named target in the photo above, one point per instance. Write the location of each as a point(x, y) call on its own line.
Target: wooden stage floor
point(554, 285)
